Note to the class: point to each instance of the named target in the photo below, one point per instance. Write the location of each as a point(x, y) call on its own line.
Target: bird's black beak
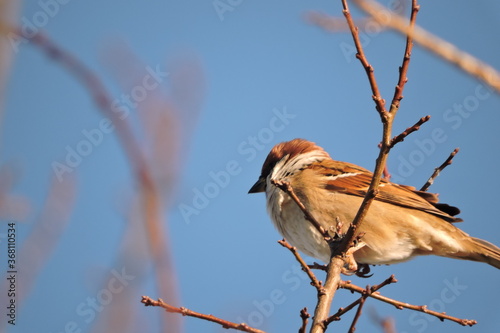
point(259, 186)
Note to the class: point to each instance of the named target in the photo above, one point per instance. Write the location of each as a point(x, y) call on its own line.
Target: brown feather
point(357, 181)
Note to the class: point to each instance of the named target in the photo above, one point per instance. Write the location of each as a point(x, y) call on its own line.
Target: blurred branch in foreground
point(154, 162)
point(8, 15)
point(43, 238)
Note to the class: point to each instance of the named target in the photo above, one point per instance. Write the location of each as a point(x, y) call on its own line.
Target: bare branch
point(362, 300)
point(147, 301)
point(403, 70)
point(387, 118)
point(314, 281)
point(408, 131)
point(371, 290)
point(287, 188)
point(438, 170)
point(377, 98)
point(400, 305)
point(436, 45)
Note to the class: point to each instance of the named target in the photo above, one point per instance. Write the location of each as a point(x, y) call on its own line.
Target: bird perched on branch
point(400, 224)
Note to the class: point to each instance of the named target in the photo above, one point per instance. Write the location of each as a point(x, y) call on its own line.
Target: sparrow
point(401, 222)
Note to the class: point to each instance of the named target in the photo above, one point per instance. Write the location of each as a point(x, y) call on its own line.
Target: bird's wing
point(354, 180)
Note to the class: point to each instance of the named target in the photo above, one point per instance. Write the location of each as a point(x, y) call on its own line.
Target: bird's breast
point(290, 222)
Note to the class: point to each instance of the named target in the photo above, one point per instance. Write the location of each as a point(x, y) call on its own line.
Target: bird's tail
point(481, 250)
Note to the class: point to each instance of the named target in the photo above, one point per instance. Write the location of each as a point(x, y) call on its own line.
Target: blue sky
point(258, 75)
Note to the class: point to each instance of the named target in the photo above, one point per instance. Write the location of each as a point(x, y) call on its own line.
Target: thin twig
point(304, 315)
point(400, 305)
point(408, 131)
point(403, 70)
point(362, 300)
point(379, 101)
point(336, 316)
point(432, 43)
point(438, 170)
point(287, 188)
point(373, 289)
point(314, 281)
point(147, 301)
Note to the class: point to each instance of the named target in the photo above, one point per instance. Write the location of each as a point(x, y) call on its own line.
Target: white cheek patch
point(277, 170)
point(288, 166)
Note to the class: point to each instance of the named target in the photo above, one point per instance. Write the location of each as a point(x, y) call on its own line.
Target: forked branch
point(336, 261)
point(408, 131)
point(368, 291)
point(314, 281)
point(432, 43)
